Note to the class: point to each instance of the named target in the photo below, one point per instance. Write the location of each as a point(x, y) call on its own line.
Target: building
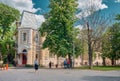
point(28, 39)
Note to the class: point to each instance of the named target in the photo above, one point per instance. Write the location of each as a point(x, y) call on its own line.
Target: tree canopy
point(7, 16)
point(115, 38)
point(111, 44)
point(58, 27)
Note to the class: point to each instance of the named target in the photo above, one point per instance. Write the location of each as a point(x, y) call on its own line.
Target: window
point(24, 36)
point(36, 38)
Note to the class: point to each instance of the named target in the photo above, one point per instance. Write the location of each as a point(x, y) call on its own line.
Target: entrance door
point(24, 59)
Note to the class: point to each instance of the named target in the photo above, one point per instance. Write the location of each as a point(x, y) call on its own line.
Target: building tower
point(28, 39)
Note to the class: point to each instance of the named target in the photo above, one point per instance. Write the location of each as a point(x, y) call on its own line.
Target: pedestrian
point(50, 64)
point(56, 65)
point(65, 63)
point(71, 63)
point(68, 63)
point(36, 64)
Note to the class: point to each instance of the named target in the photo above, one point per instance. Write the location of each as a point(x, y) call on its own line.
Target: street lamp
point(73, 54)
point(73, 63)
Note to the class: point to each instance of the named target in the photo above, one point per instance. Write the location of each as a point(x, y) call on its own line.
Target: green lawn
point(101, 68)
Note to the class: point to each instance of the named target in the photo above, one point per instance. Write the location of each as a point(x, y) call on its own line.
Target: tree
point(111, 44)
point(58, 27)
point(78, 48)
point(115, 42)
point(7, 44)
point(106, 46)
point(95, 24)
point(7, 16)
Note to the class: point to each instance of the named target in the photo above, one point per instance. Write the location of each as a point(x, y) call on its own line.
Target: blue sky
point(113, 6)
point(43, 4)
point(108, 7)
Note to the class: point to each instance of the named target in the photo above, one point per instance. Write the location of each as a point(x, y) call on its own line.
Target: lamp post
point(73, 54)
point(73, 62)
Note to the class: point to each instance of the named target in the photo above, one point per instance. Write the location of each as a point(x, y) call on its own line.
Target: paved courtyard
point(58, 75)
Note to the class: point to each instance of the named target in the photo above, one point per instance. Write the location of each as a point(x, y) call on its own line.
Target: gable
point(28, 20)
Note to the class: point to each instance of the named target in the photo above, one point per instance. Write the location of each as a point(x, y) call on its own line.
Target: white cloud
point(40, 19)
point(24, 5)
point(20, 5)
point(85, 5)
point(117, 1)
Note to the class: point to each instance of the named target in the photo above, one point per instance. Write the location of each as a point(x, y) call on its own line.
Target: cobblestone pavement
point(58, 75)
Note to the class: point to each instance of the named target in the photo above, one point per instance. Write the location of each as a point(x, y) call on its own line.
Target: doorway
point(24, 57)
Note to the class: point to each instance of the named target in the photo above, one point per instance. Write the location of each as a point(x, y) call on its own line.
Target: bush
point(10, 65)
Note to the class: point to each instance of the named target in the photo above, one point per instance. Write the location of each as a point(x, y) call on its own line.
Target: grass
point(101, 68)
point(106, 68)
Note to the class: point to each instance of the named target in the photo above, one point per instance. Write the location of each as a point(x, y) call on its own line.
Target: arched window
point(24, 50)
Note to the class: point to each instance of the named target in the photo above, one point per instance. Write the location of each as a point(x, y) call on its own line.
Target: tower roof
point(28, 20)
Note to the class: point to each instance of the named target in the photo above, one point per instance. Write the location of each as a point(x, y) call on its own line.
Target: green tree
point(77, 42)
point(58, 27)
point(7, 16)
point(7, 45)
point(106, 46)
point(111, 44)
point(115, 42)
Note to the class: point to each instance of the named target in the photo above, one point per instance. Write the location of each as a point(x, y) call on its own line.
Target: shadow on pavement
point(21, 68)
point(101, 78)
point(33, 68)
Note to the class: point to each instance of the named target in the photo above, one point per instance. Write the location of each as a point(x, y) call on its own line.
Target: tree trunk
point(104, 63)
point(82, 58)
point(115, 62)
point(112, 61)
point(57, 60)
point(90, 54)
point(89, 47)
